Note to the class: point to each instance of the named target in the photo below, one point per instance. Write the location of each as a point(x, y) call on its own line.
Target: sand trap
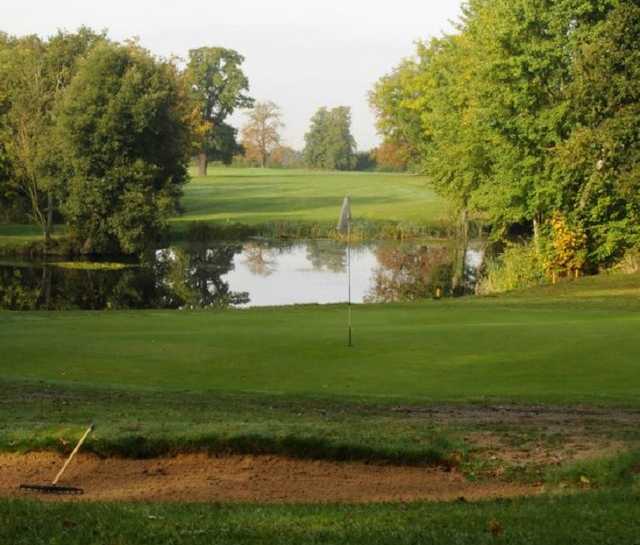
point(268, 479)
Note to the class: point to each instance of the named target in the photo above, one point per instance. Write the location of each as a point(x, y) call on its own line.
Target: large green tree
point(34, 75)
point(598, 166)
point(218, 87)
point(124, 131)
point(329, 143)
point(506, 114)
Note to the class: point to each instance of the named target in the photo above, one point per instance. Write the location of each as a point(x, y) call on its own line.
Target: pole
point(75, 451)
point(349, 279)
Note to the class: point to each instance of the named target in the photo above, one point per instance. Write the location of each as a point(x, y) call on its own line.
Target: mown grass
point(233, 203)
point(281, 381)
point(254, 195)
point(14, 237)
point(602, 518)
point(566, 348)
point(304, 203)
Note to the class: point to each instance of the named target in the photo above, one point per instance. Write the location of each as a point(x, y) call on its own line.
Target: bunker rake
point(54, 487)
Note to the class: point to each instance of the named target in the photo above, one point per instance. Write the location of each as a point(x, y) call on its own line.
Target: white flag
point(345, 216)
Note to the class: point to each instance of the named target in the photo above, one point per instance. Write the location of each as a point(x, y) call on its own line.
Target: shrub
point(519, 266)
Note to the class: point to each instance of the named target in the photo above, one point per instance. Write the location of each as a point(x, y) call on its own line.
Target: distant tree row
point(528, 116)
point(99, 134)
point(329, 143)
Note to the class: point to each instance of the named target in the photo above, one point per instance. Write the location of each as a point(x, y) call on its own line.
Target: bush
point(519, 266)
point(630, 263)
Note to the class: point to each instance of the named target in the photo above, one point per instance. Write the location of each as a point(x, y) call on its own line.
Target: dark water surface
point(256, 273)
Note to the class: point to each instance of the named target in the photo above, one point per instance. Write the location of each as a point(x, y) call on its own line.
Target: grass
point(25, 239)
point(579, 345)
point(148, 424)
point(14, 236)
point(236, 203)
point(272, 200)
point(600, 472)
point(257, 195)
point(90, 265)
point(280, 381)
point(602, 518)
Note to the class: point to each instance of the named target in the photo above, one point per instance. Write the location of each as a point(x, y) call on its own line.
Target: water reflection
point(256, 273)
point(410, 273)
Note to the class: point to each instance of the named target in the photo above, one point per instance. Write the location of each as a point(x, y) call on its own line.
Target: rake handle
point(71, 456)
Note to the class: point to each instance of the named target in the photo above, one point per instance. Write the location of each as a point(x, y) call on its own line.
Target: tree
point(365, 161)
point(597, 167)
point(224, 144)
point(398, 116)
point(261, 134)
point(286, 157)
point(218, 87)
point(34, 75)
point(329, 142)
point(391, 157)
point(125, 135)
point(506, 115)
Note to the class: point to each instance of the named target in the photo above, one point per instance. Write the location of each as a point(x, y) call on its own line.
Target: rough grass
point(139, 424)
point(603, 518)
point(613, 471)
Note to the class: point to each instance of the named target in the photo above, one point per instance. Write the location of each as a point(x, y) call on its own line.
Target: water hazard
point(246, 274)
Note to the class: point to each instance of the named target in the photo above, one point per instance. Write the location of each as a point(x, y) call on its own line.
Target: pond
point(246, 274)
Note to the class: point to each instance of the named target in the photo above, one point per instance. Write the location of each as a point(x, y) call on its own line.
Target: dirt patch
point(572, 448)
point(547, 415)
point(267, 479)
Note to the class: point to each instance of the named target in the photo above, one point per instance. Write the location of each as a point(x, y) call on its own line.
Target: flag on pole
point(344, 228)
point(345, 217)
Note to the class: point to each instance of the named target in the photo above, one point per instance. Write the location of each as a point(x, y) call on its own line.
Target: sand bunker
point(268, 479)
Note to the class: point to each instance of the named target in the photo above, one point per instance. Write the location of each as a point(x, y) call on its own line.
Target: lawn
point(256, 196)
point(603, 518)
point(276, 202)
point(15, 236)
point(574, 344)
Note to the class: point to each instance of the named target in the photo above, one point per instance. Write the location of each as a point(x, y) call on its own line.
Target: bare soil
point(264, 479)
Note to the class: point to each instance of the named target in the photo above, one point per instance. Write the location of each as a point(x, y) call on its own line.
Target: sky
point(300, 54)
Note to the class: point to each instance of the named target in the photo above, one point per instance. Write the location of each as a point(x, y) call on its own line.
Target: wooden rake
point(54, 487)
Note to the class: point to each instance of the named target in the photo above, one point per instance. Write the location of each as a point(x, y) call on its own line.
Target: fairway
point(254, 196)
point(577, 344)
point(300, 202)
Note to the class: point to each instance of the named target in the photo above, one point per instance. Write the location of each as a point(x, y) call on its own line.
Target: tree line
point(527, 116)
point(329, 143)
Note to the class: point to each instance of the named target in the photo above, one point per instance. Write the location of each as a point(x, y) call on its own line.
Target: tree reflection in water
point(327, 255)
point(200, 276)
point(259, 259)
point(174, 278)
point(410, 272)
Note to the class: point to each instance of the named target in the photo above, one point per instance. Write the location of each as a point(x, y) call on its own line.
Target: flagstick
point(349, 276)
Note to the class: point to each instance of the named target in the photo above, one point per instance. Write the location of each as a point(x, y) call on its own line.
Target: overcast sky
point(302, 54)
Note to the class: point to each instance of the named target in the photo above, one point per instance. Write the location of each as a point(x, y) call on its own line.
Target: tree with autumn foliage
point(391, 157)
point(260, 136)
